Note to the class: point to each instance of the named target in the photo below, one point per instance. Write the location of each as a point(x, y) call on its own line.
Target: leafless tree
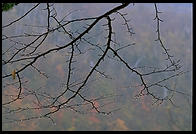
point(26, 56)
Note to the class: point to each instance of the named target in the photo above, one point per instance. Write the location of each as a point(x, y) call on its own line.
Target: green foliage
point(8, 6)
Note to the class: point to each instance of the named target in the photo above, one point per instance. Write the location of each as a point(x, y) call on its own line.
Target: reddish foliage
point(143, 99)
point(60, 70)
point(94, 119)
point(144, 105)
point(121, 124)
point(96, 104)
point(59, 115)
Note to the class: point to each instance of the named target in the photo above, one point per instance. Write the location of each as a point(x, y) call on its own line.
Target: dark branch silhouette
point(67, 97)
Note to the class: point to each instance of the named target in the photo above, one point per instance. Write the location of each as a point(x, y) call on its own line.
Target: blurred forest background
point(133, 115)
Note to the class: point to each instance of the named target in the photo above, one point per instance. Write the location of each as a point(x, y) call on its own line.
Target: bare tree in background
point(25, 56)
